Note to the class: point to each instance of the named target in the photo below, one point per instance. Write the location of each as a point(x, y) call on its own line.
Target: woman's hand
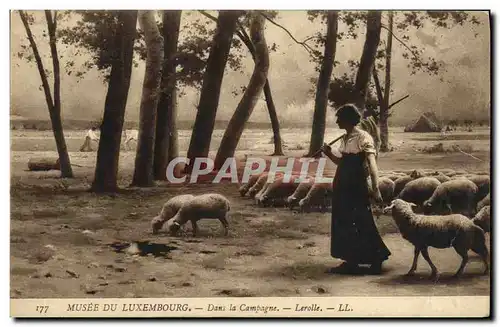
point(327, 150)
point(377, 196)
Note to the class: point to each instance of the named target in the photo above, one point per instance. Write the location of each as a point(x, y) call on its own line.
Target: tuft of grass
point(218, 262)
point(440, 148)
point(302, 270)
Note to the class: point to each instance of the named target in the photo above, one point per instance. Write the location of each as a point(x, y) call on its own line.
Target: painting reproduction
point(250, 163)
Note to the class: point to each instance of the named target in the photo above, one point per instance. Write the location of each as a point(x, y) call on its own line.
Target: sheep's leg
point(425, 254)
point(195, 227)
point(483, 253)
point(450, 210)
point(224, 222)
point(465, 258)
point(416, 253)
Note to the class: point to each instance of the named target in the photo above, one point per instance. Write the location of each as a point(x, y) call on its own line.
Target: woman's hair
point(349, 113)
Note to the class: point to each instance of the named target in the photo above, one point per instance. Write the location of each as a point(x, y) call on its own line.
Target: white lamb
point(206, 206)
point(169, 209)
point(440, 232)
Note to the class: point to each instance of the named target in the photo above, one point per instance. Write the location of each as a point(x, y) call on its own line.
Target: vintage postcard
point(250, 163)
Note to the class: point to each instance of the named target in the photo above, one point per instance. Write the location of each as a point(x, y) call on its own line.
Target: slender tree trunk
point(108, 154)
point(173, 140)
point(199, 145)
point(384, 109)
point(322, 87)
point(245, 108)
point(275, 124)
point(167, 103)
point(54, 107)
point(378, 88)
point(373, 26)
point(143, 173)
point(271, 108)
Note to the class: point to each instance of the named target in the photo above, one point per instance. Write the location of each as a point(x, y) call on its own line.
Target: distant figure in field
point(130, 134)
point(89, 137)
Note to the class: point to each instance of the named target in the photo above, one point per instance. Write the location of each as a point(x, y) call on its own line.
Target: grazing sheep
point(484, 202)
point(300, 192)
point(400, 183)
point(440, 176)
point(455, 196)
point(419, 190)
point(393, 177)
point(454, 173)
point(251, 182)
point(211, 206)
point(440, 232)
point(260, 183)
point(277, 191)
point(169, 209)
point(482, 219)
point(446, 171)
point(318, 196)
point(483, 185)
point(386, 187)
point(417, 173)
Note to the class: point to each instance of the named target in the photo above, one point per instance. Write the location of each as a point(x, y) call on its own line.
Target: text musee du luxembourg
point(178, 307)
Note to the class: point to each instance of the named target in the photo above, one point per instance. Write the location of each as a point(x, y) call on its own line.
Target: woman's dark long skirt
point(354, 235)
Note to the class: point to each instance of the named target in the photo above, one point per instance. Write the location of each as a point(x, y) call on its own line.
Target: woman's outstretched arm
point(372, 165)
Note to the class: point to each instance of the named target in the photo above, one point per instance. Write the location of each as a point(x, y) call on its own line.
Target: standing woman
point(354, 235)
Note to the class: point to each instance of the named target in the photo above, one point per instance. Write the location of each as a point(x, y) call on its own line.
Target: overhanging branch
point(303, 43)
point(415, 55)
point(398, 101)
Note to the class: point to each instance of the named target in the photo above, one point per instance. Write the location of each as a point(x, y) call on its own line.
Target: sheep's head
point(398, 202)
point(156, 224)
point(303, 202)
point(174, 228)
point(252, 191)
point(243, 190)
point(417, 173)
point(264, 200)
point(428, 207)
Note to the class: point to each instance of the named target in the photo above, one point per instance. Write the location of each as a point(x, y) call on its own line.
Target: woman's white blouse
point(358, 141)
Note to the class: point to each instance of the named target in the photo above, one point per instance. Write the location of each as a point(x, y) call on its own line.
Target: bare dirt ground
point(67, 242)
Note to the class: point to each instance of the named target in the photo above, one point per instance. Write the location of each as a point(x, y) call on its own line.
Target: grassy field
point(67, 242)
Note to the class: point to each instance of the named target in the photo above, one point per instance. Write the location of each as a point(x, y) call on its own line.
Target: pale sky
point(464, 51)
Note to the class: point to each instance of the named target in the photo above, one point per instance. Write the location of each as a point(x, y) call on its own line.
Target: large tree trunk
point(54, 107)
point(322, 87)
point(143, 173)
point(373, 26)
point(271, 108)
point(201, 137)
point(108, 154)
point(244, 109)
point(166, 112)
point(384, 109)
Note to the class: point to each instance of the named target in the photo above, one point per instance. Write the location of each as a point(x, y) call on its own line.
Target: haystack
point(426, 123)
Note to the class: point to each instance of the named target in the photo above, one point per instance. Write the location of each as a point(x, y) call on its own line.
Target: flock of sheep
point(439, 209)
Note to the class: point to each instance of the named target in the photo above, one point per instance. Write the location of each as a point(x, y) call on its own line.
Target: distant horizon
point(220, 124)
